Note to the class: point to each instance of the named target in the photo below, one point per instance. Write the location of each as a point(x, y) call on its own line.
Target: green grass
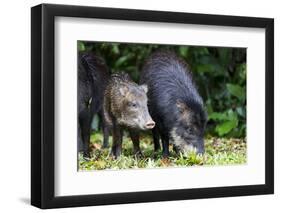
point(218, 151)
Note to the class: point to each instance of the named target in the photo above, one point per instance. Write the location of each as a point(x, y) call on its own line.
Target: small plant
point(218, 151)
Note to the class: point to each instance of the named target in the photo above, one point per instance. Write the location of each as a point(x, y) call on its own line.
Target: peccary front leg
point(156, 141)
point(136, 142)
point(165, 145)
point(117, 141)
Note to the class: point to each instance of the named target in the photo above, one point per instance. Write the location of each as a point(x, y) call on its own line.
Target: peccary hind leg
point(85, 124)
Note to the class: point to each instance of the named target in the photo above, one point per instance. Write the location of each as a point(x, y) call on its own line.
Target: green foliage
point(237, 91)
point(226, 121)
point(218, 151)
point(220, 74)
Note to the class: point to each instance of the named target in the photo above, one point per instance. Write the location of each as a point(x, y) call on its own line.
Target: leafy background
point(219, 72)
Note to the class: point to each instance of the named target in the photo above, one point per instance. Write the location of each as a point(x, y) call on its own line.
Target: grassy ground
point(218, 151)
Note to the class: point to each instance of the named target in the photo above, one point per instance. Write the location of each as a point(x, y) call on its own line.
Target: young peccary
point(93, 76)
point(174, 103)
point(125, 106)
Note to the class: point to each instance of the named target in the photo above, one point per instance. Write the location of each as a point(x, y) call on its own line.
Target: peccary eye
point(132, 104)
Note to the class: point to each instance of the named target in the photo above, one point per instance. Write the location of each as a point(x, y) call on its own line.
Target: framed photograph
point(139, 106)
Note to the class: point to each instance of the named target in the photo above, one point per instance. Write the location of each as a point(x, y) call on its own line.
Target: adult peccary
point(125, 106)
point(174, 103)
point(93, 76)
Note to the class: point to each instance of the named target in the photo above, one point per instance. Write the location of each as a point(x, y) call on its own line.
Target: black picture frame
point(43, 102)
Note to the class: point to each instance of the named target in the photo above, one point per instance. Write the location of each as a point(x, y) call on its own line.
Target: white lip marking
point(176, 139)
point(179, 141)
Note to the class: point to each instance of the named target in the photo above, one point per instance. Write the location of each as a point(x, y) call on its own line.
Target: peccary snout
point(150, 124)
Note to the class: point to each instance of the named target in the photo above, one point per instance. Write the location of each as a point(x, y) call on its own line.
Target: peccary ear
point(144, 88)
point(182, 107)
point(123, 90)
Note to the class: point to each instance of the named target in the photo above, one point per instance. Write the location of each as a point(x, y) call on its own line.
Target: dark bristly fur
point(174, 102)
point(93, 76)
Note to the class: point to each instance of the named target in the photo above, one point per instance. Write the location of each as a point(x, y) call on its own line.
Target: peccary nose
point(150, 124)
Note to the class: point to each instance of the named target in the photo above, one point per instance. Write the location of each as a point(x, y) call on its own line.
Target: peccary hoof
point(176, 149)
point(115, 154)
point(165, 155)
point(105, 146)
point(86, 155)
point(138, 154)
